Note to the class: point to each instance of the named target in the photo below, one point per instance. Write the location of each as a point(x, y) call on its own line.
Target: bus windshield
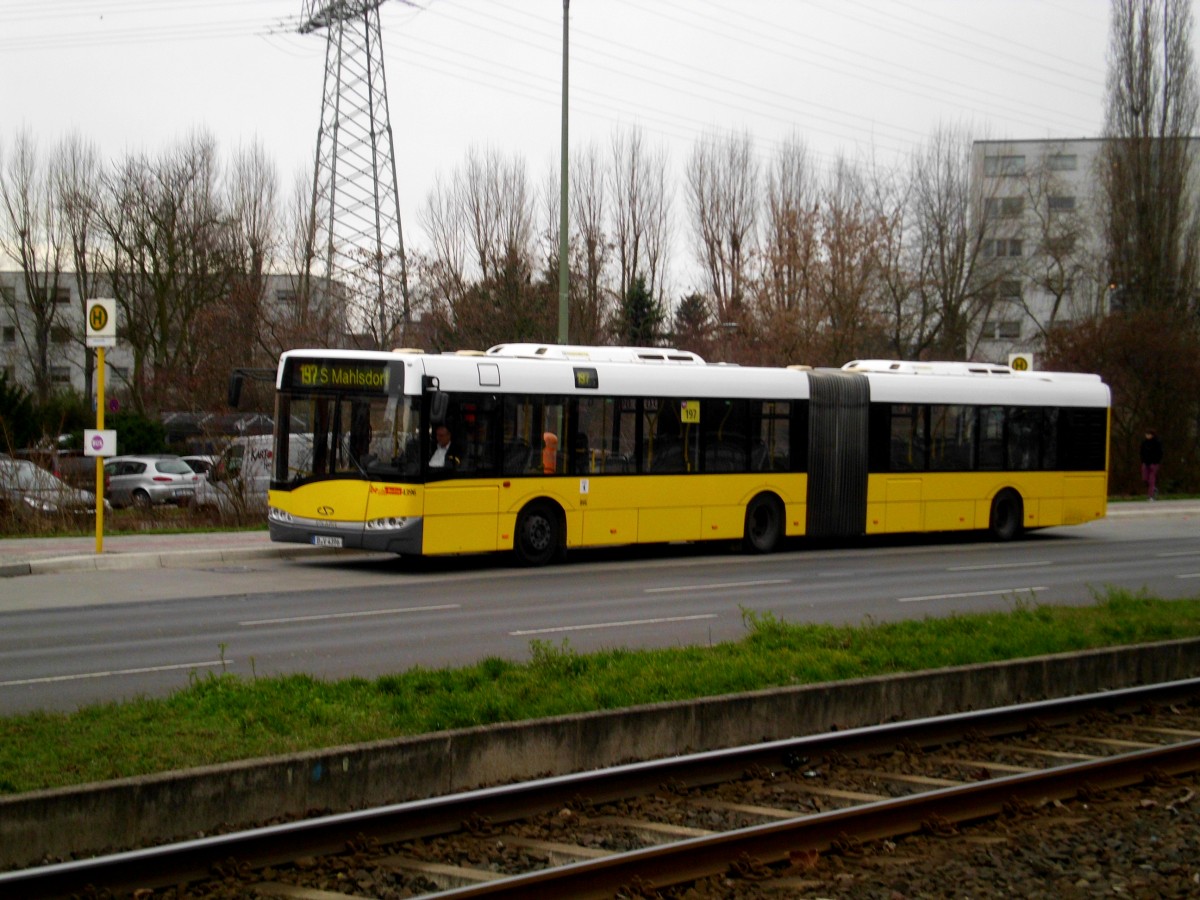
point(321, 435)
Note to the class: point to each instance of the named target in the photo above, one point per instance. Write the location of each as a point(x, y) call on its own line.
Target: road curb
point(152, 560)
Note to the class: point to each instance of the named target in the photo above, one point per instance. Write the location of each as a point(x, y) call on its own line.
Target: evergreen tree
point(18, 426)
point(641, 316)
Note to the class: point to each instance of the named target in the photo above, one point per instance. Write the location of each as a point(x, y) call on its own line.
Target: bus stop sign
point(101, 318)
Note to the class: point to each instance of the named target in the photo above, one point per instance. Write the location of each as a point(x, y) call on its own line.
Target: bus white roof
point(623, 371)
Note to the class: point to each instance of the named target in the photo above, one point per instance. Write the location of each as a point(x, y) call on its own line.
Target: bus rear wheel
point(764, 524)
point(538, 538)
point(1008, 513)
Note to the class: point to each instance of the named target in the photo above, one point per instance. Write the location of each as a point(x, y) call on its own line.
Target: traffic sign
point(99, 442)
point(101, 316)
point(1020, 362)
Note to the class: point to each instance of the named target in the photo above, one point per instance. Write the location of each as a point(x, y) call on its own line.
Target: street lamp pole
point(563, 267)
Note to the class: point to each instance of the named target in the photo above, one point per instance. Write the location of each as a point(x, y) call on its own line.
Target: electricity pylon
point(355, 204)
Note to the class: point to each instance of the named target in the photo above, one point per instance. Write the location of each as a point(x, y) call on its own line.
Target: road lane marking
point(1178, 553)
point(716, 587)
point(1189, 575)
point(348, 615)
point(114, 672)
point(1017, 565)
point(624, 624)
point(1020, 590)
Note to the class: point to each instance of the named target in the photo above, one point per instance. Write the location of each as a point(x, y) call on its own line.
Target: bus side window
point(908, 438)
point(991, 437)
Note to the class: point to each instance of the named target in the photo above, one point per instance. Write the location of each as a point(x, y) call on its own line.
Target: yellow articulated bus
point(540, 448)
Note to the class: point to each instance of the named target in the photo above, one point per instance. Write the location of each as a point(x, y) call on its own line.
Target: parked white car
point(236, 486)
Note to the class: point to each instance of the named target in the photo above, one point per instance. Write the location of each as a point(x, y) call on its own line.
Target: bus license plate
point(320, 540)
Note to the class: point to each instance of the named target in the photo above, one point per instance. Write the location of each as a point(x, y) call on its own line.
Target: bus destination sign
point(335, 374)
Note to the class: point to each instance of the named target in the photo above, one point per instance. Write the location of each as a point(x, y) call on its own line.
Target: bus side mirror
point(438, 406)
point(234, 393)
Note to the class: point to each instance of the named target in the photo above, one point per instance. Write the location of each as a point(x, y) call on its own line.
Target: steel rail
point(194, 860)
point(702, 857)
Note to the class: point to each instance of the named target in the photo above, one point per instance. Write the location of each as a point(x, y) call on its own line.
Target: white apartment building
point(1042, 207)
point(66, 347)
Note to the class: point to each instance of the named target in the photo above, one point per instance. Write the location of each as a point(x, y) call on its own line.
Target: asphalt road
point(77, 638)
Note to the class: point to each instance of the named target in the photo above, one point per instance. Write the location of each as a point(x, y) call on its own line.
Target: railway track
point(757, 815)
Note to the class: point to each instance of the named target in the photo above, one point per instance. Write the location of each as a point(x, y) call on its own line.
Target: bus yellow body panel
point(602, 511)
point(957, 501)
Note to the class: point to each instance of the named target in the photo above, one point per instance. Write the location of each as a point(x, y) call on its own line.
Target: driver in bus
point(445, 455)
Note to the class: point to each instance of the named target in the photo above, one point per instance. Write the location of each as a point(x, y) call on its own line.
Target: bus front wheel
point(1007, 517)
point(538, 538)
point(764, 524)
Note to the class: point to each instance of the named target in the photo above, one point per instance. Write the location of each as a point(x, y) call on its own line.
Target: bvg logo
point(325, 510)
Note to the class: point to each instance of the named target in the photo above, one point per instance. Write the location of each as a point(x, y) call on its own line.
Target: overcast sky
point(849, 76)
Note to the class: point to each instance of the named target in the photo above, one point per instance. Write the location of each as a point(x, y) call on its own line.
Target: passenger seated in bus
point(445, 454)
point(549, 453)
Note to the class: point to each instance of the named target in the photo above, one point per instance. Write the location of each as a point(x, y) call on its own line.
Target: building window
point(10, 334)
point(120, 372)
point(62, 295)
point(1003, 165)
point(1003, 206)
point(9, 294)
point(10, 373)
point(1003, 330)
point(1059, 245)
point(60, 334)
point(60, 375)
point(1061, 204)
point(1062, 162)
point(1002, 247)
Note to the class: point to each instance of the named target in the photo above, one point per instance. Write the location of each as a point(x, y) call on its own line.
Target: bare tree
point(1152, 232)
point(1061, 266)
point(641, 206)
point(909, 319)
point(722, 185)
point(947, 205)
point(227, 331)
point(1152, 236)
point(790, 255)
point(590, 297)
point(76, 172)
point(33, 236)
point(478, 279)
point(847, 296)
point(166, 263)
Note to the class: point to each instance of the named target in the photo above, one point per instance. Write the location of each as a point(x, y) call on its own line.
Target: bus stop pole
point(99, 459)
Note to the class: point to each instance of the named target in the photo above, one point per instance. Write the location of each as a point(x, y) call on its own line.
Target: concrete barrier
point(76, 822)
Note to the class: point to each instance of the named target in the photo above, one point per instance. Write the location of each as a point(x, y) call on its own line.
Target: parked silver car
point(143, 481)
point(29, 490)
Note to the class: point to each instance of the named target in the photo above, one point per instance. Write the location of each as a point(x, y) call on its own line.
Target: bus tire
point(764, 524)
point(1008, 514)
point(538, 538)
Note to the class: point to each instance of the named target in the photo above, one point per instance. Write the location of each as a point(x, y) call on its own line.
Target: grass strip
point(223, 717)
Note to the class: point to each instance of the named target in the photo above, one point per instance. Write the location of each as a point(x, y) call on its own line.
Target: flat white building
point(66, 350)
point(1042, 204)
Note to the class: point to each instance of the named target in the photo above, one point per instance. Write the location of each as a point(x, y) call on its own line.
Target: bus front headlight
point(388, 523)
